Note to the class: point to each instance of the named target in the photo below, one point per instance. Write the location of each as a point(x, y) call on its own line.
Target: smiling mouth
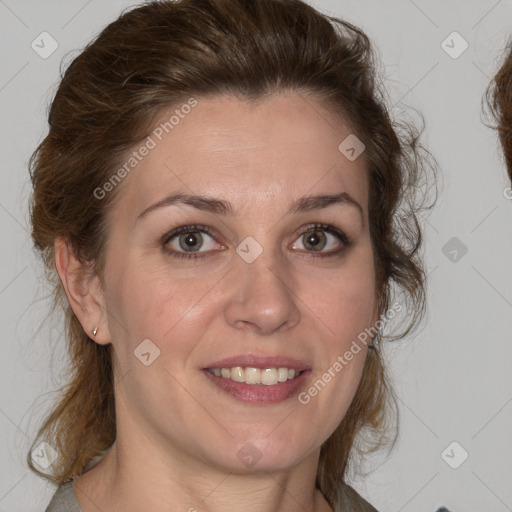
point(256, 376)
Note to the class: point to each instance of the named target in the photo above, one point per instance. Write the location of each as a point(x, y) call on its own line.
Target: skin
point(177, 432)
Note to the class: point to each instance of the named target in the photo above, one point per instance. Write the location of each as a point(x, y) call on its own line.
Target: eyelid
point(321, 226)
point(189, 228)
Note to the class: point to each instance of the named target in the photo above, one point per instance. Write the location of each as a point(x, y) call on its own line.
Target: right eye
point(189, 242)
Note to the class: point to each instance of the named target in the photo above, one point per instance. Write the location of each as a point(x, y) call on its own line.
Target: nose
point(263, 300)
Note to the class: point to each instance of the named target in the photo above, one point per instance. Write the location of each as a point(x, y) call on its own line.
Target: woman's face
point(248, 278)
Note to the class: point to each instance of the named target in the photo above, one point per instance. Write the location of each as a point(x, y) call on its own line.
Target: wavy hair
point(498, 97)
point(157, 55)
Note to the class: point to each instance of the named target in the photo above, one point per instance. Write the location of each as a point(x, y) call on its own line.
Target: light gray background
point(453, 377)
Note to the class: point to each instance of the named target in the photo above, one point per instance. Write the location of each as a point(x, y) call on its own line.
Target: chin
point(260, 455)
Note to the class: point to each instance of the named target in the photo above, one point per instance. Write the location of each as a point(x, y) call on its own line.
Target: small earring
point(95, 331)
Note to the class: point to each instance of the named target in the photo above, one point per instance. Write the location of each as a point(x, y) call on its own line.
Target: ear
point(84, 292)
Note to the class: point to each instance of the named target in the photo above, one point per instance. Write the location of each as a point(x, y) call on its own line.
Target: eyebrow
point(223, 207)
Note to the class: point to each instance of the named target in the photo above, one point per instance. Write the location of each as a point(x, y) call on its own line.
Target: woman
point(228, 207)
point(499, 99)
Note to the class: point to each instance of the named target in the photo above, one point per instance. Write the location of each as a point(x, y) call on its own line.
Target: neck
point(121, 482)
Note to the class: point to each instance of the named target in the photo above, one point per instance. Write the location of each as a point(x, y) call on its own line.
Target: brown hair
point(498, 97)
point(156, 56)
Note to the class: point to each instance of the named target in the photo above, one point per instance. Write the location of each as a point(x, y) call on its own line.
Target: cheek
point(345, 302)
point(150, 301)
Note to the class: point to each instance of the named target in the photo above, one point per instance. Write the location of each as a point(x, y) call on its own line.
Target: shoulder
point(64, 500)
point(353, 502)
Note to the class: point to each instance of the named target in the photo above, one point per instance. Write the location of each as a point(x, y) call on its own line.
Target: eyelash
point(342, 237)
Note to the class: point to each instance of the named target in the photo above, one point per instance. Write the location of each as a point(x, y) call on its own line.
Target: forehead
point(282, 147)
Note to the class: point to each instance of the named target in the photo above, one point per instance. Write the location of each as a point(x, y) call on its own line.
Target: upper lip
point(262, 362)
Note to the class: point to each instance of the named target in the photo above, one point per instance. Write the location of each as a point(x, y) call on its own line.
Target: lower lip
point(259, 393)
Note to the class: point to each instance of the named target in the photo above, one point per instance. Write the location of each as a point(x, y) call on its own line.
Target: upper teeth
point(249, 375)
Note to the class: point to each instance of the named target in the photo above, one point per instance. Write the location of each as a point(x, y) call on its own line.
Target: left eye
point(317, 240)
